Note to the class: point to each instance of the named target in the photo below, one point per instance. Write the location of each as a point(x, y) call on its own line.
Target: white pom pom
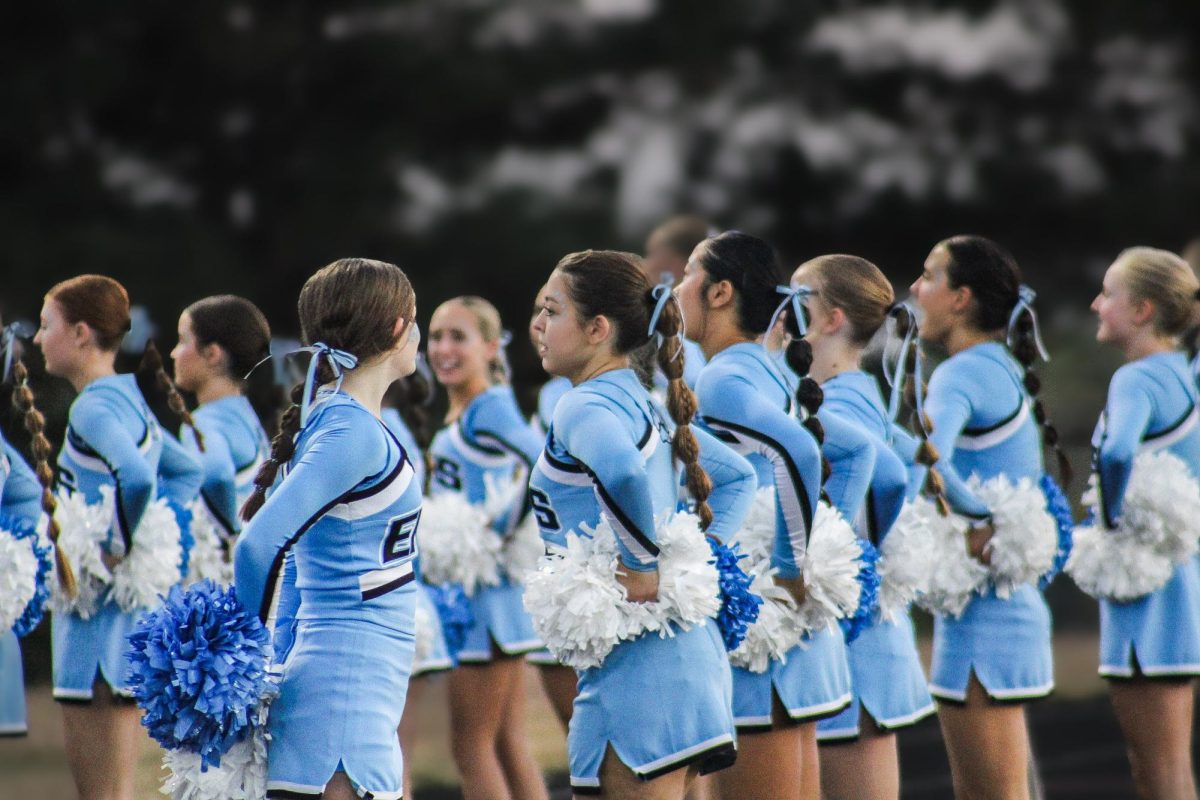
point(831, 568)
point(906, 557)
point(242, 774)
point(521, 549)
point(779, 627)
point(1025, 541)
point(581, 611)
point(457, 545)
point(151, 567)
point(424, 630)
point(18, 578)
point(954, 576)
point(1107, 564)
point(207, 558)
point(83, 529)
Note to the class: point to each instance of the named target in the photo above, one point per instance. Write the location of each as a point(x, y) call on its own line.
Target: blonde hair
point(856, 286)
point(1165, 280)
point(487, 318)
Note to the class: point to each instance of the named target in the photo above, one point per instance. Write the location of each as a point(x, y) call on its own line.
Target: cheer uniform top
point(348, 509)
point(113, 439)
point(235, 446)
point(20, 496)
point(887, 679)
point(660, 703)
point(983, 425)
point(490, 444)
point(1151, 406)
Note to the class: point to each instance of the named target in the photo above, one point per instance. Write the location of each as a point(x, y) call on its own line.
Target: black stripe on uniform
point(380, 591)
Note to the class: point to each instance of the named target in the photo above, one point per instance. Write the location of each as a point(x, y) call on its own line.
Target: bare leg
point(520, 768)
point(1156, 719)
point(340, 788)
point(810, 762)
point(477, 705)
point(408, 729)
point(987, 746)
point(867, 768)
point(618, 782)
point(101, 744)
point(768, 767)
point(560, 684)
point(704, 787)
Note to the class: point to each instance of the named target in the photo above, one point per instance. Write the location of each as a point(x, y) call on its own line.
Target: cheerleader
point(486, 444)
point(984, 415)
point(221, 339)
point(347, 507)
point(655, 705)
point(1150, 646)
point(21, 498)
point(728, 297)
point(668, 248)
point(850, 301)
point(113, 442)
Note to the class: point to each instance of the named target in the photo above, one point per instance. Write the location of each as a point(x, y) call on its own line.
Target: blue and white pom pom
point(1157, 530)
point(1060, 508)
point(1025, 541)
point(954, 576)
point(183, 521)
point(908, 557)
point(199, 671)
point(241, 775)
point(209, 557)
point(455, 614)
point(83, 532)
point(151, 567)
point(457, 543)
point(739, 604)
point(868, 598)
point(779, 627)
point(581, 612)
point(831, 568)
point(21, 573)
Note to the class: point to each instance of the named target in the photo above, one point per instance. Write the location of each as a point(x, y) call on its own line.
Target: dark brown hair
point(921, 425)
point(152, 362)
point(613, 284)
point(241, 331)
point(353, 305)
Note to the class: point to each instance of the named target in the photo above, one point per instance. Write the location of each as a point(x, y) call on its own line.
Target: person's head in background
point(1191, 254)
point(670, 244)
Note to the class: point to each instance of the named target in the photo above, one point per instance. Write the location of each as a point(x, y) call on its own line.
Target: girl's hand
point(794, 587)
point(979, 542)
point(641, 587)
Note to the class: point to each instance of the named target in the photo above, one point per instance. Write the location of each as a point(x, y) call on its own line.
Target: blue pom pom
point(22, 528)
point(199, 670)
point(1060, 508)
point(454, 610)
point(868, 598)
point(739, 606)
point(183, 518)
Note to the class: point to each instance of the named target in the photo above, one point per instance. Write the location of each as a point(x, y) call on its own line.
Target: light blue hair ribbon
point(1025, 298)
point(896, 377)
point(8, 341)
point(794, 294)
point(662, 295)
point(339, 361)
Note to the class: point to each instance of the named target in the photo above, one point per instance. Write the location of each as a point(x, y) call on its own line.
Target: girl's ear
point(598, 329)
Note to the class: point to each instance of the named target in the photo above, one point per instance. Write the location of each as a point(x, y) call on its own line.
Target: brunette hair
point(613, 284)
point(353, 305)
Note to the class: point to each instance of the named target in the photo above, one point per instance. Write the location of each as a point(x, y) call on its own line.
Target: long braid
point(35, 423)
point(1024, 348)
point(152, 362)
point(682, 405)
point(283, 446)
point(927, 454)
point(809, 394)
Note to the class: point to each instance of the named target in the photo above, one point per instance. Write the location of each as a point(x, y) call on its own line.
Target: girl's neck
point(100, 365)
point(217, 387)
point(598, 365)
point(962, 338)
point(462, 394)
point(832, 356)
point(1147, 344)
point(368, 383)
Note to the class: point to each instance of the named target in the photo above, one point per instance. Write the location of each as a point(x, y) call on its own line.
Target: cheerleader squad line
point(708, 538)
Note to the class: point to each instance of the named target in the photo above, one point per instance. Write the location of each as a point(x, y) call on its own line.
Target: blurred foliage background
point(189, 149)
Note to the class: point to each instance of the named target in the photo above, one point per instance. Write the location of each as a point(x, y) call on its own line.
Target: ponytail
point(1026, 346)
point(913, 391)
point(35, 423)
point(799, 355)
point(283, 446)
point(152, 362)
point(667, 323)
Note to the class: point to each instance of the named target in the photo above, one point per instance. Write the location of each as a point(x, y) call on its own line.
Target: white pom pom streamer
point(1158, 529)
point(906, 558)
point(954, 577)
point(83, 529)
point(242, 774)
point(1026, 536)
point(522, 549)
point(151, 567)
point(18, 578)
point(831, 568)
point(424, 629)
point(208, 556)
point(779, 627)
point(582, 612)
point(457, 544)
